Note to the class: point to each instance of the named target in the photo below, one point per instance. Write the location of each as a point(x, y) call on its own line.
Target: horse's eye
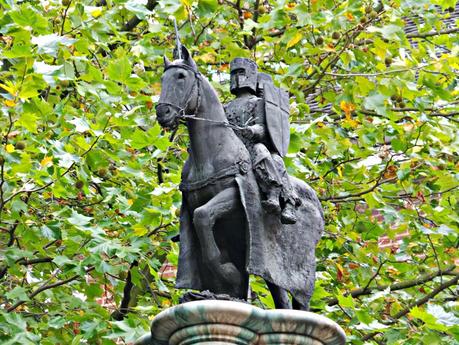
point(181, 76)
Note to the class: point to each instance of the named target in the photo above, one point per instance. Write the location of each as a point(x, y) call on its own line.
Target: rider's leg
point(288, 215)
point(267, 177)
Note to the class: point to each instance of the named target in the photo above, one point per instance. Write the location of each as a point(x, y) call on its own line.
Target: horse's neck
point(209, 139)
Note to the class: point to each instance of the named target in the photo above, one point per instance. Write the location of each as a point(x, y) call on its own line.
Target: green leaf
point(376, 102)
point(78, 219)
point(62, 260)
point(49, 44)
point(346, 301)
point(18, 293)
point(138, 7)
point(119, 69)
point(207, 6)
point(28, 121)
point(389, 32)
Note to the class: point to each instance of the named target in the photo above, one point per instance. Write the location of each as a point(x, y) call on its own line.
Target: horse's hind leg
point(298, 306)
point(224, 203)
point(280, 296)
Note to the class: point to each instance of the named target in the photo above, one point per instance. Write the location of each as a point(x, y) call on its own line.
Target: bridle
point(196, 84)
point(181, 109)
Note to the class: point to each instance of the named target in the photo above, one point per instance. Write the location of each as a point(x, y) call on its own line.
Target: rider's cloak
point(281, 254)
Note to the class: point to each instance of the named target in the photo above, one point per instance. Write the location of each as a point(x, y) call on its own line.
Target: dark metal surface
point(277, 113)
point(226, 233)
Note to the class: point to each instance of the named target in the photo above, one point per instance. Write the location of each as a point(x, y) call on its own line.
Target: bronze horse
point(225, 234)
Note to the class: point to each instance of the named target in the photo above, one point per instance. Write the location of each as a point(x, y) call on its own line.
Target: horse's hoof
point(229, 272)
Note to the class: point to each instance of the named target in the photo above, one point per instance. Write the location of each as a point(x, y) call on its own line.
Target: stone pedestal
point(227, 323)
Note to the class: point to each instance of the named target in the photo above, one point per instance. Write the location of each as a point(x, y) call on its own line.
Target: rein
point(181, 110)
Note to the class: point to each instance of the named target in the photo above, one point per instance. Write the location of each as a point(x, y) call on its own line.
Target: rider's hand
point(247, 132)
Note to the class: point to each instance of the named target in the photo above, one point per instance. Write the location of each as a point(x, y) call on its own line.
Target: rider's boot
point(288, 215)
point(271, 203)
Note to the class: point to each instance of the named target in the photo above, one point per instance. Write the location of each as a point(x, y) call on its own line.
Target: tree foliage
point(88, 179)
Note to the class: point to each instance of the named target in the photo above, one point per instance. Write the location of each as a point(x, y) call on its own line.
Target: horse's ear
point(166, 62)
point(186, 56)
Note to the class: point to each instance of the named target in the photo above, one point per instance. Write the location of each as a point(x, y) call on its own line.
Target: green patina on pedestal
point(225, 323)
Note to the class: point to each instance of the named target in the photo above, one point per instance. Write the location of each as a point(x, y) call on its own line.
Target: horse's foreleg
point(204, 218)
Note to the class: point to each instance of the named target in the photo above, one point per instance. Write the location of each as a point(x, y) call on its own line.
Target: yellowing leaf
point(330, 47)
point(140, 230)
point(408, 127)
point(294, 40)
point(208, 57)
point(348, 108)
point(340, 171)
point(96, 13)
point(9, 148)
point(9, 103)
point(11, 89)
point(130, 202)
point(349, 16)
point(47, 161)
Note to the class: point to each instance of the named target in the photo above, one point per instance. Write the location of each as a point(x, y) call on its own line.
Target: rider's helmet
point(262, 78)
point(243, 75)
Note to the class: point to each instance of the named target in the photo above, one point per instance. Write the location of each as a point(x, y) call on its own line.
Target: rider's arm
point(259, 126)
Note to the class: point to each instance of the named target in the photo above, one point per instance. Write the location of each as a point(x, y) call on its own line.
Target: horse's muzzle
point(167, 117)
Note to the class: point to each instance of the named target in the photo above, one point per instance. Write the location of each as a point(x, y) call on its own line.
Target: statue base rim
point(226, 322)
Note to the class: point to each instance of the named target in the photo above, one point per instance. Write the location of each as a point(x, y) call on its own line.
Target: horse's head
point(179, 90)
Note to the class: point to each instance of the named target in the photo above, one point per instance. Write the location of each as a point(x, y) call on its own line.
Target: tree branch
point(26, 262)
point(120, 313)
point(398, 286)
point(62, 175)
point(378, 183)
point(428, 297)
point(432, 33)
point(417, 303)
point(401, 70)
point(134, 21)
point(47, 287)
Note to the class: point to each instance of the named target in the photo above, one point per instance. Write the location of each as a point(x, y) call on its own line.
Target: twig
point(336, 166)
point(378, 183)
point(162, 226)
point(64, 17)
point(432, 33)
point(204, 27)
point(375, 275)
point(351, 75)
point(436, 257)
point(62, 175)
point(47, 287)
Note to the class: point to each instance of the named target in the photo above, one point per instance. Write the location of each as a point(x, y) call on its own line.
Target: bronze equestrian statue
point(225, 231)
